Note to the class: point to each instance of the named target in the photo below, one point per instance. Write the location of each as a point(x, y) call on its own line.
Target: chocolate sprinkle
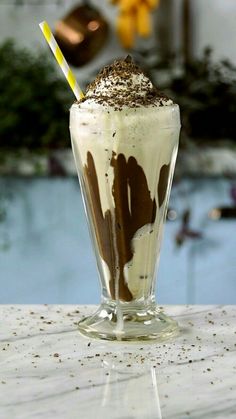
point(123, 93)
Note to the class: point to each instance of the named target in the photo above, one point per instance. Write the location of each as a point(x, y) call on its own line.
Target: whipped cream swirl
point(123, 84)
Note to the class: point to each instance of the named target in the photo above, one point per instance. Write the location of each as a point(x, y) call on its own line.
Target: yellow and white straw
point(61, 60)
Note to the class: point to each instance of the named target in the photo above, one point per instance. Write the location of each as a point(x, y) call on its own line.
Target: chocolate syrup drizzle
point(115, 230)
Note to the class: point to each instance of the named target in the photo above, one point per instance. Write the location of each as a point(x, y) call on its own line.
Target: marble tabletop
point(48, 370)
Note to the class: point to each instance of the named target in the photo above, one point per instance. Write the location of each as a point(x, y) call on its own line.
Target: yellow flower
point(134, 18)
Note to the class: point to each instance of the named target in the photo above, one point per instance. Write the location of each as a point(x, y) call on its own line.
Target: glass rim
point(81, 107)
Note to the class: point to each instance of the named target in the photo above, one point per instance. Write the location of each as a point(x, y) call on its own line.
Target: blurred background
point(188, 48)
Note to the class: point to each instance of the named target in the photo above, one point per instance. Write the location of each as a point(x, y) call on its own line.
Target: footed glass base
point(122, 323)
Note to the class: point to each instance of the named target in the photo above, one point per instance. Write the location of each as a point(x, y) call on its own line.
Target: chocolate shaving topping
point(123, 92)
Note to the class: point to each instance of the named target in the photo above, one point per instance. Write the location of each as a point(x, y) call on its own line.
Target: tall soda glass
point(125, 157)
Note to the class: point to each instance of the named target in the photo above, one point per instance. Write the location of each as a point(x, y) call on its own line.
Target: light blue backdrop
point(46, 255)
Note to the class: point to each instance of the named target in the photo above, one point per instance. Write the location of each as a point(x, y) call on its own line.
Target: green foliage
point(206, 93)
point(34, 102)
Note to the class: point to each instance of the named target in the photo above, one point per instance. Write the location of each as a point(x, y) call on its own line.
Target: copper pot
point(81, 34)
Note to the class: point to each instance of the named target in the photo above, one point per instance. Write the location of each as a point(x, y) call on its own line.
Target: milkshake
point(124, 137)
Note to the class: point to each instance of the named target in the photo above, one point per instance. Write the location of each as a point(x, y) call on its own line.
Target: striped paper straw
point(61, 60)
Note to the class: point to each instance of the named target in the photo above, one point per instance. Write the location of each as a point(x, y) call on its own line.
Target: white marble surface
point(48, 370)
